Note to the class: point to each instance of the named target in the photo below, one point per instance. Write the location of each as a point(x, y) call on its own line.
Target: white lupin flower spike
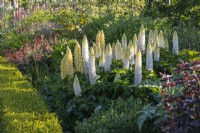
point(149, 58)
point(108, 58)
point(156, 51)
point(85, 55)
point(126, 56)
point(92, 67)
point(124, 41)
point(76, 86)
point(175, 43)
point(141, 38)
point(138, 68)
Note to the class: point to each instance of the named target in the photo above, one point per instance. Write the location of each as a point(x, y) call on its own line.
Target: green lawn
point(22, 109)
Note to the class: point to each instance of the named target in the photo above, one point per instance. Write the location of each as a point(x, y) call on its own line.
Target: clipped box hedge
point(22, 109)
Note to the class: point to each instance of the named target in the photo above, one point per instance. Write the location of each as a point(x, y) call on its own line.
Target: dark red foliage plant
point(36, 51)
point(184, 108)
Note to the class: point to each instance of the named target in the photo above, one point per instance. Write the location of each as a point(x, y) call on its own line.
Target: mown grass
point(22, 109)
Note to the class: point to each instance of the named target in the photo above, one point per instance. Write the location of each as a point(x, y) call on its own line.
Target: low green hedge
point(120, 118)
point(22, 109)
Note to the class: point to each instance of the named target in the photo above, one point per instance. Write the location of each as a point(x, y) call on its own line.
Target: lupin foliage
point(117, 77)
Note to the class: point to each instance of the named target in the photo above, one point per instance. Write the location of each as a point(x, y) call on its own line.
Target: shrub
point(23, 109)
point(182, 99)
point(120, 117)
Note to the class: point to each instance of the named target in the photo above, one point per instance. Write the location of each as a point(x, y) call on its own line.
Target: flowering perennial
point(78, 58)
point(135, 43)
point(118, 51)
point(166, 44)
point(156, 51)
point(85, 55)
point(175, 43)
point(102, 60)
point(108, 58)
point(150, 39)
point(126, 56)
point(138, 68)
point(141, 38)
point(161, 40)
point(124, 41)
point(155, 35)
point(131, 52)
point(76, 86)
point(149, 58)
point(92, 67)
point(63, 68)
point(69, 62)
point(113, 50)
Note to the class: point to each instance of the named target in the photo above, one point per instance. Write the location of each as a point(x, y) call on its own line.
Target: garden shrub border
point(22, 108)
